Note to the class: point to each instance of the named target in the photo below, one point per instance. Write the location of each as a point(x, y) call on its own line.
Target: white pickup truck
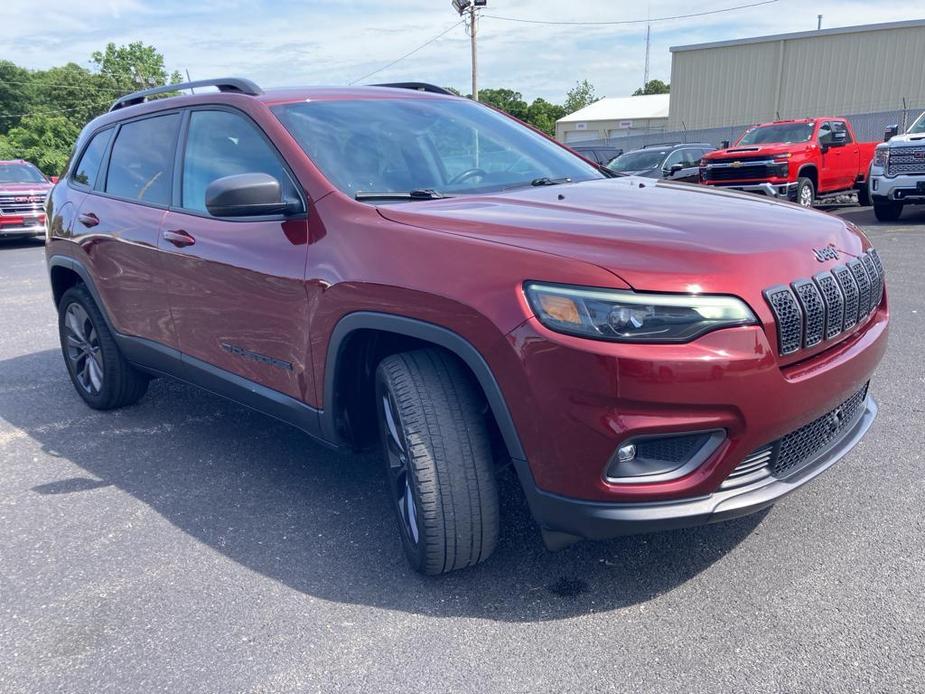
point(897, 173)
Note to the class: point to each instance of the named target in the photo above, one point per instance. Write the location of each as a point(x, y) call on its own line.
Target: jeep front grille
point(810, 312)
point(798, 449)
point(906, 160)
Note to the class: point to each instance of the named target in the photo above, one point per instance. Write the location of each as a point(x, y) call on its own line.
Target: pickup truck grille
point(737, 173)
point(906, 160)
point(810, 312)
point(22, 203)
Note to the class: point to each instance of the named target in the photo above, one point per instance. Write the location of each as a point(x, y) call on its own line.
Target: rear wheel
point(805, 193)
point(887, 210)
point(97, 368)
point(441, 481)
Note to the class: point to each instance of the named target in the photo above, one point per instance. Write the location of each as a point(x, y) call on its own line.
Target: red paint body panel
point(280, 289)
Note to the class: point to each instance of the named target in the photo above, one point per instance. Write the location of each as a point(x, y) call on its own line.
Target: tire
point(438, 459)
point(99, 372)
point(864, 195)
point(887, 210)
point(805, 193)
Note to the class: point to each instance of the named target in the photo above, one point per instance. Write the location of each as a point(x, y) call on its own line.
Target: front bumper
point(772, 190)
point(22, 227)
point(904, 188)
point(564, 519)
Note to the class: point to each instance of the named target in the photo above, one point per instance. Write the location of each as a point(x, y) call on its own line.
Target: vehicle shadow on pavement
point(264, 495)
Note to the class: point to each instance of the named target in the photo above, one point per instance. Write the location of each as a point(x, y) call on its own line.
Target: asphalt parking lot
point(189, 545)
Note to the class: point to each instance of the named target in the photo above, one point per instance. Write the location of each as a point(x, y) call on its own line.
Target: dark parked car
point(675, 162)
point(413, 269)
point(601, 155)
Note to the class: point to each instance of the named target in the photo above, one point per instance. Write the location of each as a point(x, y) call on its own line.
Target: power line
point(39, 82)
point(409, 53)
point(55, 111)
point(631, 21)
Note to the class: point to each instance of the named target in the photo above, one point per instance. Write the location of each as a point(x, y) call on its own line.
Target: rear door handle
point(179, 238)
point(88, 219)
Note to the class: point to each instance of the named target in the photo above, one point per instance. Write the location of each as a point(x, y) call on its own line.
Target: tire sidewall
point(414, 551)
point(801, 185)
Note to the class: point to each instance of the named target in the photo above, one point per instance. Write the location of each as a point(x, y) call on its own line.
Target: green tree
point(543, 115)
point(507, 100)
point(133, 67)
point(579, 96)
point(653, 87)
point(14, 94)
point(45, 140)
point(72, 91)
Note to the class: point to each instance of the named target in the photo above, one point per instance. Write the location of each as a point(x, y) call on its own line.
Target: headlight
point(625, 316)
point(881, 156)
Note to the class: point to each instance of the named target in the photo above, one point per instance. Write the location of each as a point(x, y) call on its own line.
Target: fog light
point(626, 452)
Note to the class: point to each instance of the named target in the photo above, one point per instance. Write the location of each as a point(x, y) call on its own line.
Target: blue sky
point(326, 42)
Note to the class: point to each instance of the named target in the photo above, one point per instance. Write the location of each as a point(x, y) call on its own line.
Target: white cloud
point(327, 42)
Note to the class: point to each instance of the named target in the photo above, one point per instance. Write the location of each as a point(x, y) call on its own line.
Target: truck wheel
point(805, 193)
point(439, 466)
point(97, 368)
point(887, 210)
point(864, 195)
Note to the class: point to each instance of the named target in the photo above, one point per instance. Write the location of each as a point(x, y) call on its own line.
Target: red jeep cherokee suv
point(394, 262)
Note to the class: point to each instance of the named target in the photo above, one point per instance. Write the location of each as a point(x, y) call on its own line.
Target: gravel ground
point(189, 545)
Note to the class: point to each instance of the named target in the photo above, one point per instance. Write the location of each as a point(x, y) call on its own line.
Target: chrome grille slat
point(850, 289)
point(12, 204)
point(860, 276)
point(810, 312)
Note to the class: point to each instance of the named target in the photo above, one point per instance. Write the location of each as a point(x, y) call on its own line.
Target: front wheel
point(864, 195)
point(887, 210)
point(441, 481)
point(805, 192)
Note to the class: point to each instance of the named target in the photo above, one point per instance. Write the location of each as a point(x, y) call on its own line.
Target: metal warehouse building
point(846, 71)
point(613, 117)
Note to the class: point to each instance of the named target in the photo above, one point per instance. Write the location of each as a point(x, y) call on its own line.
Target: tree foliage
point(653, 87)
point(541, 114)
point(43, 111)
point(579, 96)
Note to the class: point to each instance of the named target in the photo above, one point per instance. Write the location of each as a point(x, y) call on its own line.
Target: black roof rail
point(417, 86)
point(224, 84)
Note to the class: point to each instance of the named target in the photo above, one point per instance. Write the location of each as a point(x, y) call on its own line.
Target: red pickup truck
point(799, 160)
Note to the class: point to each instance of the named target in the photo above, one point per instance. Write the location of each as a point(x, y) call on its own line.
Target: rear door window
point(89, 165)
point(141, 163)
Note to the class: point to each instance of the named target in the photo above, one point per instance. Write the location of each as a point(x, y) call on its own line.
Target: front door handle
point(179, 238)
point(88, 219)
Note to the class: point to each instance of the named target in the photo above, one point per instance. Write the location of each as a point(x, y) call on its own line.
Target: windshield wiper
point(416, 194)
point(547, 181)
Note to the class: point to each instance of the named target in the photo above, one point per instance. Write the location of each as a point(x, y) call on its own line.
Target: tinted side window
point(222, 144)
point(840, 127)
point(89, 165)
point(141, 164)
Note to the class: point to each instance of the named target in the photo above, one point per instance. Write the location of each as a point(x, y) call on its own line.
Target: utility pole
point(818, 22)
point(472, 7)
point(645, 76)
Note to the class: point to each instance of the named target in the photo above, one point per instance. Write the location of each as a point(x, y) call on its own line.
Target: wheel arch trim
point(81, 271)
point(426, 332)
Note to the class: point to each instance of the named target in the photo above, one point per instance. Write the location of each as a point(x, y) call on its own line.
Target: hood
point(915, 139)
point(655, 235)
point(25, 188)
point(757, 151)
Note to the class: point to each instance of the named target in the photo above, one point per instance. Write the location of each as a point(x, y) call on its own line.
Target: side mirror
point(675, 168)
point(246, 195)
point(890, 132)
point(53, 179)
point(724, 144)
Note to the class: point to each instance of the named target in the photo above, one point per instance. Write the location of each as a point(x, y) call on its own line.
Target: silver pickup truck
point(897, 173)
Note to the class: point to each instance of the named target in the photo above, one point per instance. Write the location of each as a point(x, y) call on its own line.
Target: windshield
point(782, 133)
point(918, 126)
point(448, 146)
point(20, 173)
point(642, 160)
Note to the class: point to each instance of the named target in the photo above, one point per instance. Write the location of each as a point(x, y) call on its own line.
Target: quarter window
point(89, 165)
point(219, 144)
point(141, 163)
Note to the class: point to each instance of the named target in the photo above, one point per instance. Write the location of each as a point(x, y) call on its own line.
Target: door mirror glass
point(247, 195)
